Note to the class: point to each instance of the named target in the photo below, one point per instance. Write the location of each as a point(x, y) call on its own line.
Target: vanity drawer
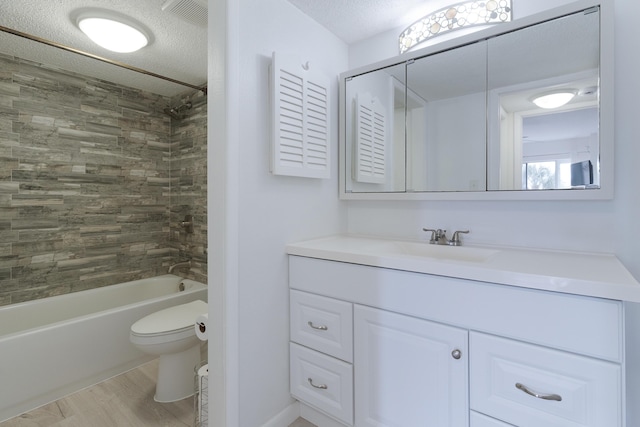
point(480, 420)
point(323, 382)
point(324, 324)
point(578, 391)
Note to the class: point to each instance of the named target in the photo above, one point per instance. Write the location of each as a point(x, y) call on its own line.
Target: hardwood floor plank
point(125, 400)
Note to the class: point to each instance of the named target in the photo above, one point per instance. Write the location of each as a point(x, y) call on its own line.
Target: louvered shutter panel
point(300, 106)
point(370, 147)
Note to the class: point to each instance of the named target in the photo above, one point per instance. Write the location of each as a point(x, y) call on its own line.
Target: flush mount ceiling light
point(455, 17)
point(554, 99)
point(112, 33)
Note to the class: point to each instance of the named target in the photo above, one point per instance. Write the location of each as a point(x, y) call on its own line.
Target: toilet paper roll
point(202, 327)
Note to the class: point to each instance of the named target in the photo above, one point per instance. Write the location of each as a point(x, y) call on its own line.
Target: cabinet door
point(408, 372)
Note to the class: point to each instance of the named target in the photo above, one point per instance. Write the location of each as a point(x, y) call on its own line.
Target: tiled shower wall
point(189, 184)
point(86, 180)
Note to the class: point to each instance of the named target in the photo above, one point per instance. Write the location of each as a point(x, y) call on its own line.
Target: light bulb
point(113, 35)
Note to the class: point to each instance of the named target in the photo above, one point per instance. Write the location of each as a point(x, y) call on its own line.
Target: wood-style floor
point(125, 400)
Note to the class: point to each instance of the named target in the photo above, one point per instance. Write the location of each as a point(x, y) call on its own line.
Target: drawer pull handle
point(319, 328)
point(321, 386)
point(539, 396)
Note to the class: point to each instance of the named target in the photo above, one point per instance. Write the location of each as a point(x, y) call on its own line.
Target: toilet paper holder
point(202, 326)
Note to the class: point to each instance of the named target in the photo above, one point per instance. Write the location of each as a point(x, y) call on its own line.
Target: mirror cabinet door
point(464, 119)
point(538, 148)
point(375, 137)
point(446, 120)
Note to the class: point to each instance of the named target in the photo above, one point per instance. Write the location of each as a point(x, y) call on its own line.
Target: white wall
point(253, 214)
point(599, 226)
point(258, 213)
point(624, 220)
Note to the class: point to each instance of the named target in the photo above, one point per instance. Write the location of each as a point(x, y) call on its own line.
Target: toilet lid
point(170, 319)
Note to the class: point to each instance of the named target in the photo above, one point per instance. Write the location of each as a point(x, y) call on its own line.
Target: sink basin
point(441, 252)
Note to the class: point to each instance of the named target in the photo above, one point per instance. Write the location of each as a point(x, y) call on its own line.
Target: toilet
point(170, 334)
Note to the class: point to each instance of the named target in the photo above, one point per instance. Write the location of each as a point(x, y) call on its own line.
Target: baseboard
point(285, 417)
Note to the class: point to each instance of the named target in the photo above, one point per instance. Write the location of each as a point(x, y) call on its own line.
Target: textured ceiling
point(355, 20)
point(178, 48)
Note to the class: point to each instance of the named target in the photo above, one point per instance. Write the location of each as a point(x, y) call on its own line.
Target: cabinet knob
point(456, 354)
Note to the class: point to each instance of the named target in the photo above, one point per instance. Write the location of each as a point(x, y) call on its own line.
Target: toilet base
point(176, 375)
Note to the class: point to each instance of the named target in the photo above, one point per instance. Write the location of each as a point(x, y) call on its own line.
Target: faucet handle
point(433, 239)
point(455, 240)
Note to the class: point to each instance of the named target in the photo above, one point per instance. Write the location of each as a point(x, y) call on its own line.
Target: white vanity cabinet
point(321, 351)
point(481, 420)
point(408, 371)
point(439, 351)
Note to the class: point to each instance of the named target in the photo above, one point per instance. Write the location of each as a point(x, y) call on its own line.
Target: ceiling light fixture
point(113, 34)
point(455, 17)
point(555, 99)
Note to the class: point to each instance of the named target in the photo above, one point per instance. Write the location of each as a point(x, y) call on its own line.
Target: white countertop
point(588, 274)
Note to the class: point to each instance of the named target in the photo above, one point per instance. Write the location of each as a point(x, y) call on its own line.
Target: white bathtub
point(54, 346)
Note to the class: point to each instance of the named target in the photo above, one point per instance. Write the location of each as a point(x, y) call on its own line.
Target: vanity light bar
point(455, 17)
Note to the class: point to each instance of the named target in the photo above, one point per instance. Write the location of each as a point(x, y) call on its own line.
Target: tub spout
point(186, 264)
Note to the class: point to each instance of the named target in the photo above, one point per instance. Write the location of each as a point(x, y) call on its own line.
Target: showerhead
point(178, 112)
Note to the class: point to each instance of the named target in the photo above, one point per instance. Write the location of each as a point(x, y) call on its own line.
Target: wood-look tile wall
point(86, 183)
point(189, 184)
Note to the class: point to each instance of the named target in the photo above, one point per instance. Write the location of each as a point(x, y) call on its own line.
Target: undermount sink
point(441, 252)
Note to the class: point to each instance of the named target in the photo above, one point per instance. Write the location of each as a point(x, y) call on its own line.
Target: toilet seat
point(176, 322)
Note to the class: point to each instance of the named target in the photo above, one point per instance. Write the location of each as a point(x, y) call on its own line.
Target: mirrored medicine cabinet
point(457, 120)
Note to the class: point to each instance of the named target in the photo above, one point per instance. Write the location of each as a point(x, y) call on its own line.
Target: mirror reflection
point(517, 111)
point(375, 108)
point(446, 120)
point(543, 104)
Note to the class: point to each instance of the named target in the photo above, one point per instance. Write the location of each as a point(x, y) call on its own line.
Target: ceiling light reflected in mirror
point(556, 99)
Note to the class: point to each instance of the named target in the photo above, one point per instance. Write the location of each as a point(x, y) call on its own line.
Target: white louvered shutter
point(300, 106)
point(371, 134)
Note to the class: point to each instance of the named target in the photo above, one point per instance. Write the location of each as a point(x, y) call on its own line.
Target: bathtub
point(55, 346)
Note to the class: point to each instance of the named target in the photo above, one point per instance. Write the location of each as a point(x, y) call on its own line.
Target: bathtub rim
point(10, 307)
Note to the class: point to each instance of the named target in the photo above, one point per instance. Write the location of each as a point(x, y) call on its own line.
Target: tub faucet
point(179, 265)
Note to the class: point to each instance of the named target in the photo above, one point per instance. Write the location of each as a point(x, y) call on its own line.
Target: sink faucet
point(455, 240)
point(179, 265)
point(439, 237)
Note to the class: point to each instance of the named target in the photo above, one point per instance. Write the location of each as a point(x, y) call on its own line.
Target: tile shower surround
point(94, 181)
